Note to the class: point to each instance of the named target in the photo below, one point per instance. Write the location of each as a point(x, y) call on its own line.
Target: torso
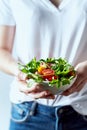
point(44, 30)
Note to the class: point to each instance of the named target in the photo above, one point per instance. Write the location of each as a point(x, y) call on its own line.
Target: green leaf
point(65, 81)
point(55, 82)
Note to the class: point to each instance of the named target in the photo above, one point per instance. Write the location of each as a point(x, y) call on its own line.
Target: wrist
point(18, 73)
point(15, 69)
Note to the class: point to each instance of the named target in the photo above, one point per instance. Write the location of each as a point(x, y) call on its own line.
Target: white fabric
point(6, 17)
point(42, 31)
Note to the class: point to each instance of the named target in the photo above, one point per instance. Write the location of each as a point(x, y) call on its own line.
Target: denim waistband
point(34, 107)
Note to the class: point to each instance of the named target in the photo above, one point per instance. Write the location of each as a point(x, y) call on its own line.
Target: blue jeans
point(34, 116)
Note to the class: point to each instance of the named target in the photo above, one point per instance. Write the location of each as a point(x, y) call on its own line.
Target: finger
point(24, 88)
point(78, 80)
point(74, 88)
point(42, 94)
point(67, 92)
point(81, 86)
point(51, 96)
point(35, 91)
point(22, 76)
point(35, 88)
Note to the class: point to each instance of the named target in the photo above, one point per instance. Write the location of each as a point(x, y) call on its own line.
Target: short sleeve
point(6, 16)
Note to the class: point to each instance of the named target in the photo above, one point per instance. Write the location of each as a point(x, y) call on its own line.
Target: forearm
point(7, 63)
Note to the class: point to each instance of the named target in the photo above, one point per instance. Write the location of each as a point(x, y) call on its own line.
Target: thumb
point(22, 76)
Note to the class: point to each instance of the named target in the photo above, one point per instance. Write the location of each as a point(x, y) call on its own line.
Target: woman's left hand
point(81, 79)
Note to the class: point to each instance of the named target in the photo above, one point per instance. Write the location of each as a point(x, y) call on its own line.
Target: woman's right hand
point(36, 90)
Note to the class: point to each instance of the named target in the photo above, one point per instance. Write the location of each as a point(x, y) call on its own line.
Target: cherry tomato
point(48, 72)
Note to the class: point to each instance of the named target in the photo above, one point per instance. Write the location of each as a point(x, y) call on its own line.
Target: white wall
point(5, 81)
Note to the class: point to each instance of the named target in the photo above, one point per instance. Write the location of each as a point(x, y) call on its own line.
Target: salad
point(56, 72)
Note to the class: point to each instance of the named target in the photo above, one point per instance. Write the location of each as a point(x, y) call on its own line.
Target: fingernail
point(45, 93)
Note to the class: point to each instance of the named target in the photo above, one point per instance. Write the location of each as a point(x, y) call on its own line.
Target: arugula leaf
point(56, 83)
point(36, 77)
point(50, 60)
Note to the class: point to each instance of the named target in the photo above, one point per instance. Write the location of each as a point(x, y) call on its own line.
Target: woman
point(41, 29)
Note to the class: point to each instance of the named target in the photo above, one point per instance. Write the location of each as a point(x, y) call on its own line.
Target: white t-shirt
point(43, 30)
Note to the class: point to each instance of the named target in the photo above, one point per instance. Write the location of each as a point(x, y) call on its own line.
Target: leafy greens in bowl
point(54, 74)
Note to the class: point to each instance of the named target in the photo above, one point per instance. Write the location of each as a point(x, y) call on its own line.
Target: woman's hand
point(80, 81)
point(36, 90)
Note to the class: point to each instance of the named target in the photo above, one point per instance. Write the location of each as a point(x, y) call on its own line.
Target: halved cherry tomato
point(47, 72)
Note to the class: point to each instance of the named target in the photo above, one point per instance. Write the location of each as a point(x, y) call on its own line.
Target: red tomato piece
point(48, 72)
point(49, 77)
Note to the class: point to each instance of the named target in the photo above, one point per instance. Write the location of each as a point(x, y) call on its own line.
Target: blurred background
point(5, 81)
